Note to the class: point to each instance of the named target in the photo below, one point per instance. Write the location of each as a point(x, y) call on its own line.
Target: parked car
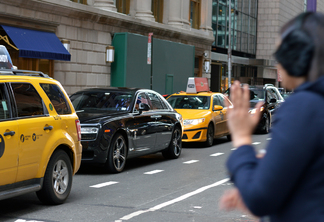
point(40, 147)
point(121, 123)
point(204, 115)
point(272, 99)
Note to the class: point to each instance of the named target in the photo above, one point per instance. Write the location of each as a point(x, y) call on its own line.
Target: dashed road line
point(154, 172)
point(21, 220)
point(216, 154)
point(165, 204)
point(191, 161)
point(256, 143)
point(233, 148)
point(269, 138)
point(104, 184)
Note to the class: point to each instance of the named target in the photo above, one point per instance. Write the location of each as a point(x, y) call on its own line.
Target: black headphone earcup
point(295, 53)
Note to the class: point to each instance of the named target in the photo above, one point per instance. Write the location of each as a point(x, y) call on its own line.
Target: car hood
point(97, 117)
point(193, 113)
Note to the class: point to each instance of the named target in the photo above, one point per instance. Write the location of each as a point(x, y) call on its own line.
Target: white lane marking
point(181, 198)
point(256, 143)
point(217, 154)
point(269, 138)
point(21, 220)
point(191, 161)
point(197, 207)
point(103, 184)
point(154, 172)
point(233, 148)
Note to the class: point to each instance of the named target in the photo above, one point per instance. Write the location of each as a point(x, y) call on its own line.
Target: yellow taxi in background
point(203, 112)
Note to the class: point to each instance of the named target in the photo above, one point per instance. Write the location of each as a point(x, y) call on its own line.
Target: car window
point(155, 101)
point(28, 101)
point(57, 98)
point(257, 94)
point(4, 108)
point(142, 98)
point(216, 101)
point(270, 95)
point(102, 101)
point(221, 100)
point(189, 102)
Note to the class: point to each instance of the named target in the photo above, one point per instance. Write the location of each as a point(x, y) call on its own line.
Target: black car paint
point(144, 132)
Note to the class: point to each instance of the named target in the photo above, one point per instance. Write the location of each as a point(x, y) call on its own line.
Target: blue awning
point(37, 44)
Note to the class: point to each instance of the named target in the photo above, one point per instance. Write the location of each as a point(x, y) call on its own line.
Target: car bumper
point(195, 135)
point(93, 154)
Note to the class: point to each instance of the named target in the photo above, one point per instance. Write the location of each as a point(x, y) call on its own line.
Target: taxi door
point(8, 141)
point(35, 127)
point(219, 116)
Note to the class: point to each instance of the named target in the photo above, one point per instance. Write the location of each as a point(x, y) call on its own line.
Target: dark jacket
point(288, 183)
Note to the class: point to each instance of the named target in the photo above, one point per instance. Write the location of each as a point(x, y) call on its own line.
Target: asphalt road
point(150, 189)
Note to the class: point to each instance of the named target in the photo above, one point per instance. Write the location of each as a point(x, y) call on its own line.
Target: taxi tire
point(174, 149)
point(50, 193)
point(117, 151)
point(210, 136)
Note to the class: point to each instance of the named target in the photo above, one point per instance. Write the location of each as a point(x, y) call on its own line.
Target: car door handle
point(10, 133)
point(156, 116)
point(48, 127)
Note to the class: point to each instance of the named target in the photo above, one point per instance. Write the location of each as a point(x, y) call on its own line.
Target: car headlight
point(252, 111)
point(89, 130)
point(193, 121)
point(89, 133)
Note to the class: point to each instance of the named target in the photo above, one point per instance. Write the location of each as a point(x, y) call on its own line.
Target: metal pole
point(229, 51)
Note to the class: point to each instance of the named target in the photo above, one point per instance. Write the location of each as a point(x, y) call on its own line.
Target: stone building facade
point(89, 29)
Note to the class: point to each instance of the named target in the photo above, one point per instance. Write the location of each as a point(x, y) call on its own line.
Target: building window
point(305, 5)
point(157, 9)
point(243, 26)
point(80, 1)
point(194, 14)
point(123, 6)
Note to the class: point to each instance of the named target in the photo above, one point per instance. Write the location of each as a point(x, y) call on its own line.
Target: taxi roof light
point(197, 84)
point(5, 59)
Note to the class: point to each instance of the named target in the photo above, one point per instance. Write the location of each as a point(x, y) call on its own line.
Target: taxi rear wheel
point(57, 180)
point(210, 135)
point(174, 149)
point(117, 154)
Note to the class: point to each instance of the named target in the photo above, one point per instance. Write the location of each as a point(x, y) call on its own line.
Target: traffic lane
point(82, 196)
point(111, 199)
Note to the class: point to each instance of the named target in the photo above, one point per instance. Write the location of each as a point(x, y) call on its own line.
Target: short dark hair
point(301, 51)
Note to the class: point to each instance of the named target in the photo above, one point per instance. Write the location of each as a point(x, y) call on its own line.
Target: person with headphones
point(287, 184)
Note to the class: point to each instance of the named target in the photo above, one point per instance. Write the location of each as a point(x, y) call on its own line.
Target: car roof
point(105, 89)
point(195, 94)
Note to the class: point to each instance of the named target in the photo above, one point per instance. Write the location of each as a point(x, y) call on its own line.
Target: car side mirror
point(273, 100)
point(143, 107)
point(217, 108)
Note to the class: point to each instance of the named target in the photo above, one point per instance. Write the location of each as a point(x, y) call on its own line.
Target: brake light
point(78, 127)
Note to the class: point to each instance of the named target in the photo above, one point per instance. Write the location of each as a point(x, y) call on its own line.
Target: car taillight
point(78, 127)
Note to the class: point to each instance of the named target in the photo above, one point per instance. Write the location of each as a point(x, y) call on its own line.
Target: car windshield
point(102, 101)
point(189, 102)
point(257, 94)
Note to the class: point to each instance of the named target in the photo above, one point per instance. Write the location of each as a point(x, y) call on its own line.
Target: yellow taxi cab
point(203, 112)
point(40, 148)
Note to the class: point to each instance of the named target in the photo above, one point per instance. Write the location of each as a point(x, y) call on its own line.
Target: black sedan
point(121, 123)
point(271, 98)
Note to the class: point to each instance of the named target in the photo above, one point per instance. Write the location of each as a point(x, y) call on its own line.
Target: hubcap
point(119, 154)
point(176, 142)
point(60, 177)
